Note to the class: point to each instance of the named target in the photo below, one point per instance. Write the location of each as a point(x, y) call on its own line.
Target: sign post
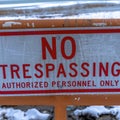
point(59, 65)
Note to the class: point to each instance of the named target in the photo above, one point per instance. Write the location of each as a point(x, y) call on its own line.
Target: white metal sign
point(60, 61)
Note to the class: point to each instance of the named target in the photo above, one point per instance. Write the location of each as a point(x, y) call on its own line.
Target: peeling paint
point(77, 98)
point(106, 98)
point(53, 25)
point(99, 24)
point(33, 25)
point(10, 23)
point(28, 25)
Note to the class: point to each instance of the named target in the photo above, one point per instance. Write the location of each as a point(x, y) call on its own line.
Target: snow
point(96, 111)
point(53, 4)
point(40, 5)
point(100, 15)
point(34, 114)
point(16, 114)
point(63, 10)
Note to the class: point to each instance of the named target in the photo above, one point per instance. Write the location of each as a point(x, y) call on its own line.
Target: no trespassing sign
point(60, 61)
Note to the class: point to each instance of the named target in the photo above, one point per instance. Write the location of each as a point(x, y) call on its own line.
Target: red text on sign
point(85, 69)
point(52, 49)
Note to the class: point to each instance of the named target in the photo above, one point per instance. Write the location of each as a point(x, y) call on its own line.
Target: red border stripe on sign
point(43, 32)
point(61, 91)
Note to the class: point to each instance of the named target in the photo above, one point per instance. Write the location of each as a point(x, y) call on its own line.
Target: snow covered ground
point(61, 10)
point(95, 112)
point(17, 114)
point(33, 114)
